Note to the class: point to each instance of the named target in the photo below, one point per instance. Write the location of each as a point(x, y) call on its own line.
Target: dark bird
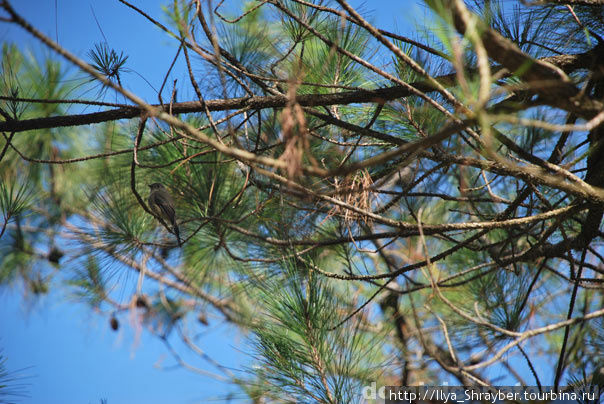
point(161, 203)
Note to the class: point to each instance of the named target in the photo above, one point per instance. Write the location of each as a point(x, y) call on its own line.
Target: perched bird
point(161, 203)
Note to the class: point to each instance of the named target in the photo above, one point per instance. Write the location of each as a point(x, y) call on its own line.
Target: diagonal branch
point(546, 79)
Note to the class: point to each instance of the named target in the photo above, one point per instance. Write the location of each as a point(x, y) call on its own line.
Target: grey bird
point(161, 203)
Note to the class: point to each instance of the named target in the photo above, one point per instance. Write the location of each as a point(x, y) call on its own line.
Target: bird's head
point(156, 185)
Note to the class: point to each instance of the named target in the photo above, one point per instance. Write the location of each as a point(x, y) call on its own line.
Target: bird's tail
point(177, 233)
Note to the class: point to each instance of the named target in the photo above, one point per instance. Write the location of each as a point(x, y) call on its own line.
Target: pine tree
point(364, 206)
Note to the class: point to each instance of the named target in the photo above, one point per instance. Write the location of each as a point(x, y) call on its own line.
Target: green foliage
point(12, 61)
point(296, 229)
point(303, 353)
point(89, 282)
point(11, 387)
point(107, 61)
point(15, 199)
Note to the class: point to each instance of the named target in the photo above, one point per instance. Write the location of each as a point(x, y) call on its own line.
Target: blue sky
point(67, 352)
